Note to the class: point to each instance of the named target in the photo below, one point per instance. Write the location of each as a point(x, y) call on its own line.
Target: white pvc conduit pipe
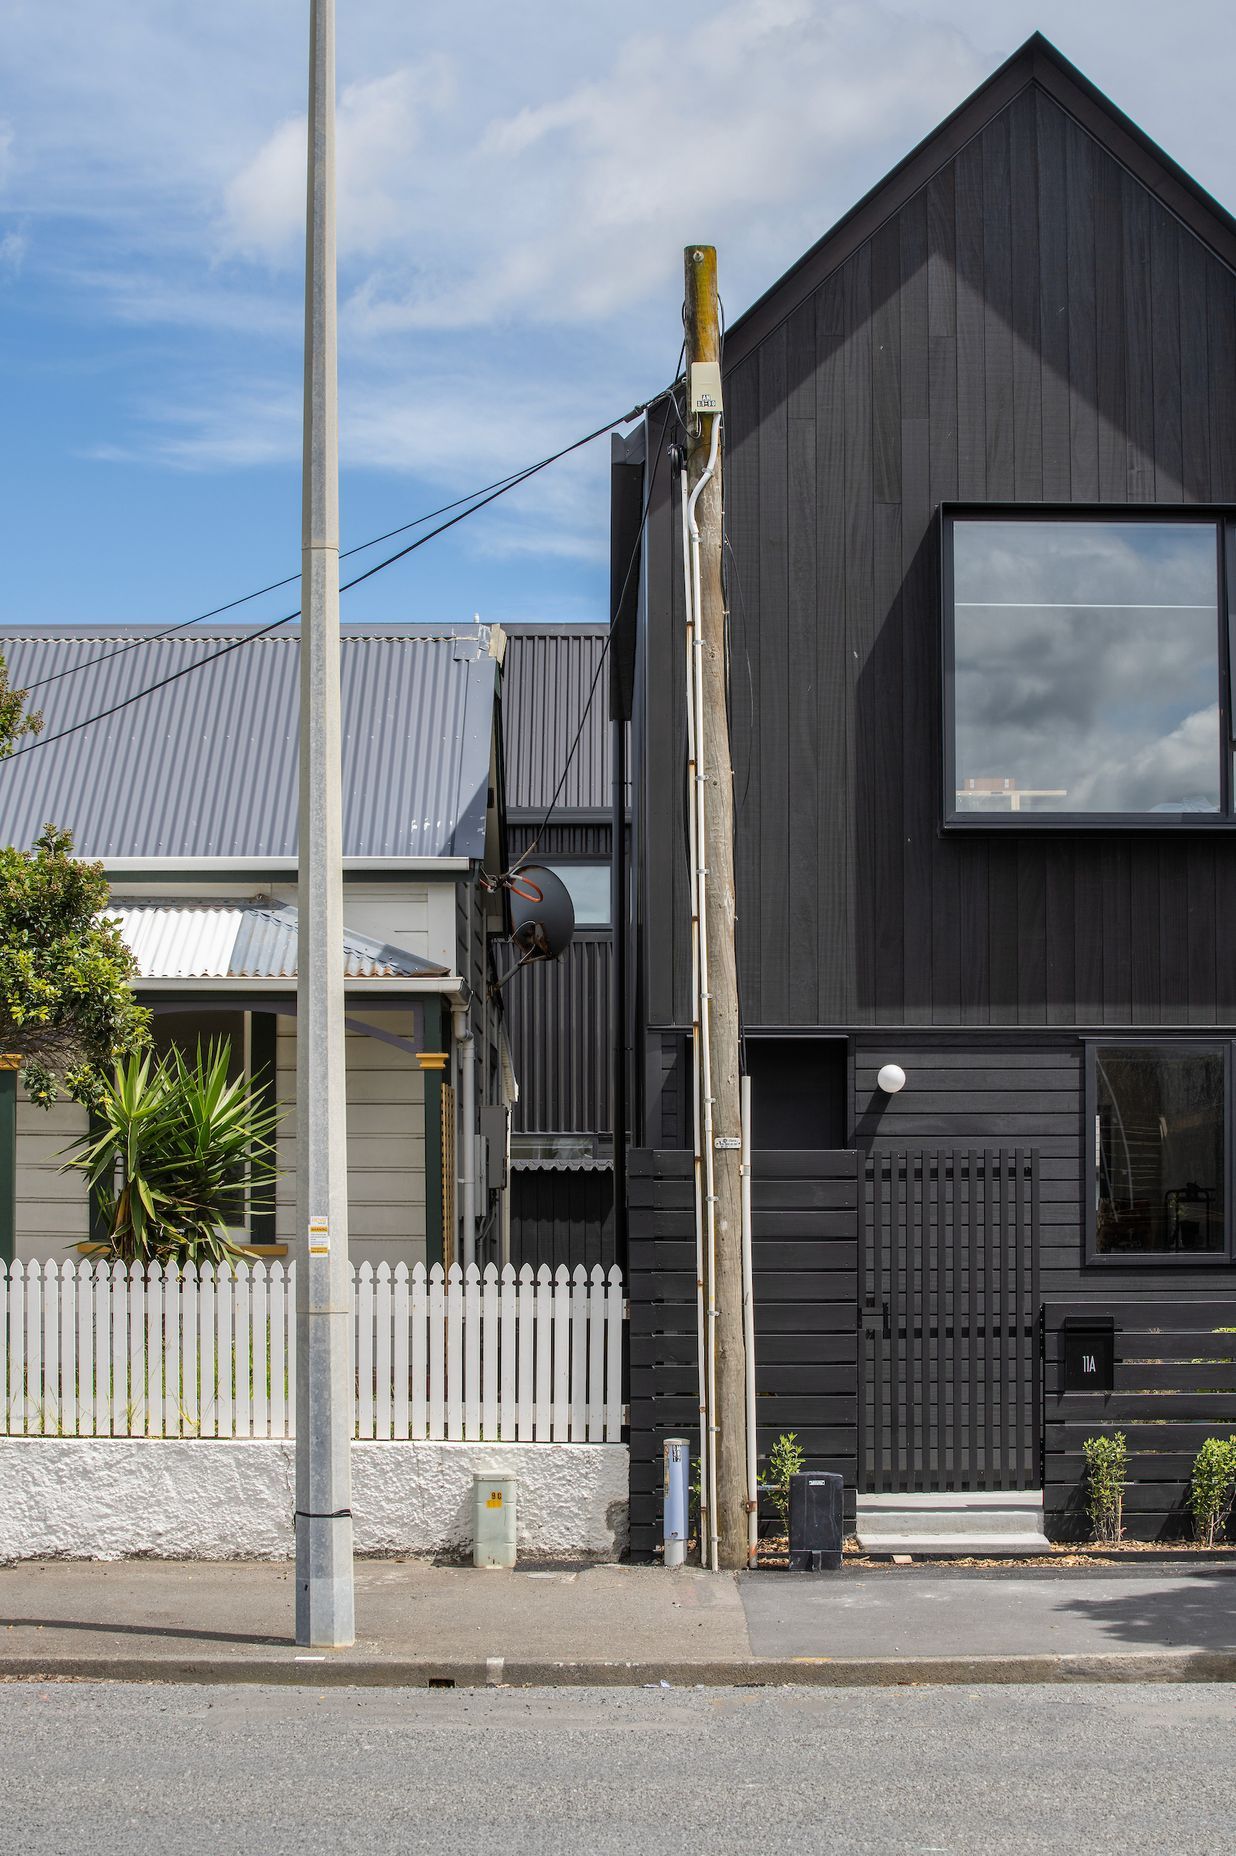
point(748, 1329)
point(706, 1481)
point(706, 1100)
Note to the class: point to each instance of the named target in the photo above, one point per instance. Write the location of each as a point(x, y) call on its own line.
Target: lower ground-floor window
point(1158, 1116)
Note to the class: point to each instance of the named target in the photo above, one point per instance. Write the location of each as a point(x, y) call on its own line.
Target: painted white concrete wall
point(111, 1498)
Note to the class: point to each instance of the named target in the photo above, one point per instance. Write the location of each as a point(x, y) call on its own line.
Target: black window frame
point(1095, 1258)
point(1220, 516)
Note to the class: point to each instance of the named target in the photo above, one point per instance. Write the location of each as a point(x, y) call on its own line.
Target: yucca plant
point(169, 1153)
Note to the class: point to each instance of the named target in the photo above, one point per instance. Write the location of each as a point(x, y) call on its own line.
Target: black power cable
point(596, 675)
point(245, 599)
point(263, 631)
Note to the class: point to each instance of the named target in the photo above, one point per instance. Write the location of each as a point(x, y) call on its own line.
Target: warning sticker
point(494, 1499)
point(319, 1237)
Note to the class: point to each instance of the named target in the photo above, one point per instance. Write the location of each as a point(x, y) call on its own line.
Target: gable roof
point(207, 766)
point(1036, 62)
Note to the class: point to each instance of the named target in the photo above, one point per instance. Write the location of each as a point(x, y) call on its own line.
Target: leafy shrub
point(1212, 1487)
point(1107, 1465)
point(171, 1165)
point(785, 1459)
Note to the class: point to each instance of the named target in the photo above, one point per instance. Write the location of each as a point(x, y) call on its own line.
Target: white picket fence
point(93, 1349)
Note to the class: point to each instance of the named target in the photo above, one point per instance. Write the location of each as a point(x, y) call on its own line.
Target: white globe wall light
point(891, 1078)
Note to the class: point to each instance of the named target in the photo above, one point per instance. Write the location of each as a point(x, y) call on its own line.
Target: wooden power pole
point(720, 1073)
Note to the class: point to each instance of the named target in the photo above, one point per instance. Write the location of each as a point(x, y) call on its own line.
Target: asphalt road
point(113, 1767)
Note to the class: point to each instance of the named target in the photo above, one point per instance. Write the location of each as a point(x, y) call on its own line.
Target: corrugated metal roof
point(547, 673)
point(207, 767)
point(243, 940)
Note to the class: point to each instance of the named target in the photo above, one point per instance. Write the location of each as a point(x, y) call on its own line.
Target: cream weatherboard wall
point(52, 1209)
point(386, 1152)
point(386, 1140)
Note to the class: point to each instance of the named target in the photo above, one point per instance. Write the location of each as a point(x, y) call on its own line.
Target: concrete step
point(981, 1522)
point(956, 1546)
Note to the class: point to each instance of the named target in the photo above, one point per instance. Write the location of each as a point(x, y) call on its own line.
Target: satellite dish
point(542, 913)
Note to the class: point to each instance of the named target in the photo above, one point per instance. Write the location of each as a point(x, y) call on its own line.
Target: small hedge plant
point(785, 1459)
point(1213, 1487)
point(1107, 1464)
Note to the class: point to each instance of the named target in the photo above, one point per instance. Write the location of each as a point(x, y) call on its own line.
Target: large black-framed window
point(1158, 1151)
point(1087, 666)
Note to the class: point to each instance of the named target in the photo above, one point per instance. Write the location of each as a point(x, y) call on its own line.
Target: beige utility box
point(493, 1520)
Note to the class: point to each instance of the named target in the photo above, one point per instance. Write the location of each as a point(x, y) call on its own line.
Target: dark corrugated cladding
point(207, 766)
point(562, 1217)
point(558, 1015)
point(547, 675)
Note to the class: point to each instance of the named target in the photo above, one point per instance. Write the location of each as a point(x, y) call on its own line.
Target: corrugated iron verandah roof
point(244, 941)
point(207, 767)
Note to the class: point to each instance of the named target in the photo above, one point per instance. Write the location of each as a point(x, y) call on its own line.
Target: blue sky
point(515, 190)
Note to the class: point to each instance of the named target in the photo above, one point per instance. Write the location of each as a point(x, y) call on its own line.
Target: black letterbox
point(1088, 1353)
point(817, 1532)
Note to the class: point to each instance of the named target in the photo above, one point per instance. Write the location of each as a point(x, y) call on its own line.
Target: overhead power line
point(609, 635)
point(487, 492)
point(499, 489)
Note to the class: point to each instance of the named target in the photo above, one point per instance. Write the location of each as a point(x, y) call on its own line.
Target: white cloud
point(382, 163)
point(577, 207)
point(13, 247)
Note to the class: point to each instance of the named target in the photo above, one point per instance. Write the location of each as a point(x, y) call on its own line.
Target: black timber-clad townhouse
point(980, 489)
point(558, 1013)
point(189, 798)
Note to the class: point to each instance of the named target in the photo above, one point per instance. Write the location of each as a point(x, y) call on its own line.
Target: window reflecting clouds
point(1085, 667)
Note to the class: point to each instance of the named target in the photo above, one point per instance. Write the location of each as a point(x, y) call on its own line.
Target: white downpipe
point(706, 1100)
point(748, 1329)
point(465, 1141)
point(706, 1492)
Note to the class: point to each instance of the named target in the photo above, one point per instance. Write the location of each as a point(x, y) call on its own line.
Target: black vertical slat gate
point(949, 1350)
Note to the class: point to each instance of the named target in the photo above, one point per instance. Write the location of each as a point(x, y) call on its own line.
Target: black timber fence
point(1174, 1386)
point(805, 1272)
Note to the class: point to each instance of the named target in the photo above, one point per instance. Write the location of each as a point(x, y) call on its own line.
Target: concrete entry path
point(921, 1612)
point(420, 1624)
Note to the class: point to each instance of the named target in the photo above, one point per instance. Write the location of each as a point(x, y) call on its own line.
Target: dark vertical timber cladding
point(802, 904)
point(1080, 155)
point(859, 608)
point(1080, 344)
point(882, 683)
point(919, 660)
point(773, 782)
point(1166, 447)
point(805, 1255)
point(1139, 379)
point(1195, 372)
point(742, 533)
point(1053, 245)
point(944, 879)
point(834, 816)
point(1025, 285)
point(1111, 328)
point(998, 309)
